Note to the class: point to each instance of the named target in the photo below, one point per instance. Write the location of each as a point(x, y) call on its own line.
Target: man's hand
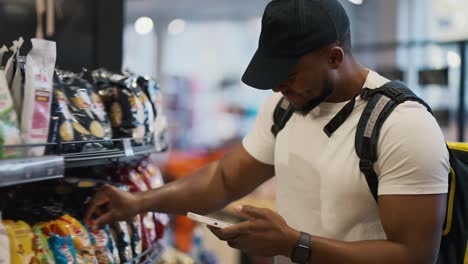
point(265, 233)
point(111, 205)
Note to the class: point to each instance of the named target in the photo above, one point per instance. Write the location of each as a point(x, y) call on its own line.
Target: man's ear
point(336, 57)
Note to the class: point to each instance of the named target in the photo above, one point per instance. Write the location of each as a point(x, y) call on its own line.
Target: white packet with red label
point(39, 70)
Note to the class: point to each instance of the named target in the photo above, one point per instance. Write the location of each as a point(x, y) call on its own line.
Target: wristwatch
point(301, 253)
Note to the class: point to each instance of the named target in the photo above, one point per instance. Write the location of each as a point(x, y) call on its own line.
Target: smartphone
point(207, 220)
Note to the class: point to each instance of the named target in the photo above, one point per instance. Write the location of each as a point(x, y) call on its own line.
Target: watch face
point(301, 254)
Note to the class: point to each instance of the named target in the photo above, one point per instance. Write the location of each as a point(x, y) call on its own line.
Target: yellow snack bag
point(21, 242)
point(81, 239)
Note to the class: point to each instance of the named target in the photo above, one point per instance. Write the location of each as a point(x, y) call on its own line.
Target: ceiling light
point(144, 25)
point(453, 59)
point(176, 27)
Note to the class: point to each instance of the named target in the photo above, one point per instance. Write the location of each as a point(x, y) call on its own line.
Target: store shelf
point(27, 170)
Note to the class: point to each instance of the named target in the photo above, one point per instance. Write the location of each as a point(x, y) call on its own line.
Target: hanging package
point(39, 70)
point(14, 76)
point(9, 132)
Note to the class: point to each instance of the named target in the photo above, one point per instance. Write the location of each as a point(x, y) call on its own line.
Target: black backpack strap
point(283, 112)
point(339, 118)
point(381, 103)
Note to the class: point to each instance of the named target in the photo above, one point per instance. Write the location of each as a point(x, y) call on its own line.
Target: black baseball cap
point(291, 29)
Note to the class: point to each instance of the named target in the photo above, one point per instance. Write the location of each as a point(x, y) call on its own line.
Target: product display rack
point(32, 169)
point(17, 171)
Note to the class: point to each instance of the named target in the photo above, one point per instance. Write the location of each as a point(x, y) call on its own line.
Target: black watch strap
point(302, 251)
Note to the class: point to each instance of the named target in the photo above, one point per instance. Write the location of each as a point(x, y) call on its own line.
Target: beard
point(314, 102)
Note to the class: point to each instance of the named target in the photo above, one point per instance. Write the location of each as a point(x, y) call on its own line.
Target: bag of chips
point(4, 245)
point(134, 231)
point(126, 111)
point(81, 240)
point(100, 242)
point(41, 247)
point(148, 110)
point(112, 245)
point(119, 232)
point(61, 246)
point(152, 90)
point(37, 101)
point(136, 183)
point(62, 249)
point(20, 236)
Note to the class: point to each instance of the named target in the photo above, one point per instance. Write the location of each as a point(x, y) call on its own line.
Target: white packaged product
point(39, 70)
point(4, 245)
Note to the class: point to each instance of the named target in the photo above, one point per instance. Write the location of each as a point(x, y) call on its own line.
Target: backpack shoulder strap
point(381, 103)
point(283, 112)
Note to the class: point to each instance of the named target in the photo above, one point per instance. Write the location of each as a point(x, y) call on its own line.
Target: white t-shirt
point(320, 189)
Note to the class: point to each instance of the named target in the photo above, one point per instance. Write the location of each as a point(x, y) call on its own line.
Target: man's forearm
point(200, 192)
point(366, 252)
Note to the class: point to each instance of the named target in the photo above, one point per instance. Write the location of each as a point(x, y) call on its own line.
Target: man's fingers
point(96, 203)
point(232, 231)
point(253, 212)
point(107, 218)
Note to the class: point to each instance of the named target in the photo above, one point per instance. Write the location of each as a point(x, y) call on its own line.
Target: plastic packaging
point(21, 237)
point(127, 113)
point(120, 235)
point(14, 76)
point(112, 246)
point(62, 249)
point(41, 247)
point(134, 231)
point(9, 132)
point(100, 241)
point(4, 245)
point(39, 69)
point(81, 239)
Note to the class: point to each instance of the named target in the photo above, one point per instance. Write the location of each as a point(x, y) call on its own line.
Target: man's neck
point(352, 80)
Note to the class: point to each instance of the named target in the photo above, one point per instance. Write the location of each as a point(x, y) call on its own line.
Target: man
point(305, 54)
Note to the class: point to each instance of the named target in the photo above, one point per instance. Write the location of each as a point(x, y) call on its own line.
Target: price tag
point(128, 147)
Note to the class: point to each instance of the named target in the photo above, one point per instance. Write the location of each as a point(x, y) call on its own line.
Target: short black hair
point(345, 42)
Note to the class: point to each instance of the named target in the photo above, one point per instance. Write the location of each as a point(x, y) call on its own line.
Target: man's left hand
point(265, 233)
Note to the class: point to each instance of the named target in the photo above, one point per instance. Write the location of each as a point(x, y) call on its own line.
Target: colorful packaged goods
point(21, 237)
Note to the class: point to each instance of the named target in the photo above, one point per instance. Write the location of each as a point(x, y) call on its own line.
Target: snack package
point(37, 101)
point(134, 231)
point(135, 181)
point(100, 242)
point(4, 245)
point(99, 110)
point(112, 245)
point(151, 88)
point(41, 247)
point(14, 76)
point(148, 109)
point(62, 249)
point(61, 246)
point(21, 242)
point(119, 232)
point(126, 111)
point(153, 179)
point(9, 133)
point(81, 239)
